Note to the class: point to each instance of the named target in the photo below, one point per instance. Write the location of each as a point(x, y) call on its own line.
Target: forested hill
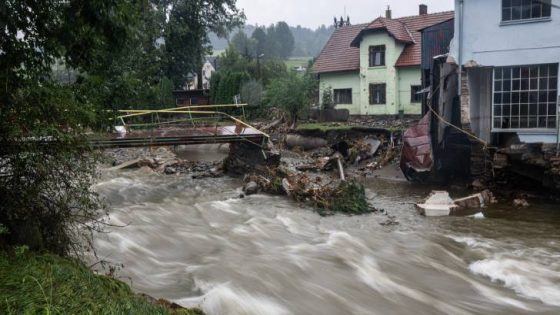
point(308, 42)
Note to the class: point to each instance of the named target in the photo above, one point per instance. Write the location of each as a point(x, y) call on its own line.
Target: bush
point(327, 101)
point(225, 85)
point(350, 198)
point(252, 95)
point(47, 170)
point(292, 94)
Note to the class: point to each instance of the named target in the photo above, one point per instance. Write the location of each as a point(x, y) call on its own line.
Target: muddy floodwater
point(196, 243)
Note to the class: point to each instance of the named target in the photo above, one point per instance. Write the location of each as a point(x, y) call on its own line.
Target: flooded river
point(194, 242)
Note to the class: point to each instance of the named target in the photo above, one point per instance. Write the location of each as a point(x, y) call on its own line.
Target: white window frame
point(551, 130)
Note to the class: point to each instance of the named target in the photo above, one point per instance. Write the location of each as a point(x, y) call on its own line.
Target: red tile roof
point(412, 54)
point(342, 53)
point(338, 55)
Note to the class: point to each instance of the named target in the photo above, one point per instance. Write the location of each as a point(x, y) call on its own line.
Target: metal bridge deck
point(181, 126)
point(182, 136)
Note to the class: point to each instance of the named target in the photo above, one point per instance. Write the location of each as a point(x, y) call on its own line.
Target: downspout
point(460, 55)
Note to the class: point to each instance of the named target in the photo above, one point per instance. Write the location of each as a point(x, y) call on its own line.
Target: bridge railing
point(195, 115)
point(187, 123)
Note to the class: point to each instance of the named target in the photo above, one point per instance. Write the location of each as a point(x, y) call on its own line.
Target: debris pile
point(439, 203)
point(334, 196)
point(163, 161)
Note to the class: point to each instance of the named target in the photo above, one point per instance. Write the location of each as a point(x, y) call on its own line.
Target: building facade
point(374, 68)
point(509, 52)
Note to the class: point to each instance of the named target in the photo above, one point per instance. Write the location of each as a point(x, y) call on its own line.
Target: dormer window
point(525, 10)
point(377, 56)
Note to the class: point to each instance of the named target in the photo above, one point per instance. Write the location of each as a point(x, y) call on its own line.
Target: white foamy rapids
point(471, 241)
point(527, 278)
point(362, 259)
point(478, 216)
point(227, 299)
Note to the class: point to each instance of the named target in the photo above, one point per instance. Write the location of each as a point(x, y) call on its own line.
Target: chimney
point(388, 13)
point(423, 9)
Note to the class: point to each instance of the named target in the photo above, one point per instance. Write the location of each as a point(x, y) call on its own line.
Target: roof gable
point(397, 29)
point(342, 52)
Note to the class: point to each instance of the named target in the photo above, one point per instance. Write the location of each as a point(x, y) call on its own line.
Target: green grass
point(297, 61)
point(323, 126)
point(47, 284)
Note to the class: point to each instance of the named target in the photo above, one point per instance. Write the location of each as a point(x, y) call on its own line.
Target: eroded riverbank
point(196, 243)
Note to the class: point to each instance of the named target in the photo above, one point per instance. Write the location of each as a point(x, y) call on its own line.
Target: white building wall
point(489, 42)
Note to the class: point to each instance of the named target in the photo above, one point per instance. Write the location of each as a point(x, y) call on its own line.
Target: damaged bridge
point(181, 126)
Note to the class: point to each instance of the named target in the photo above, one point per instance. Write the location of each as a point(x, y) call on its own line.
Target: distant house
point(210, 66)
point(193, 93)
point(509, 53)
point(374, 68)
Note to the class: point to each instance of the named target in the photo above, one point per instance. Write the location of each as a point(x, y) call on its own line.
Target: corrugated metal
point(435, 41)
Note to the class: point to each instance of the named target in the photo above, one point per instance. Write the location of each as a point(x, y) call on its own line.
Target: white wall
point(490, 43)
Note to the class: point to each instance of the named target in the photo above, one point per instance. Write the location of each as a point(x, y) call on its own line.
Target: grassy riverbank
point(47, 284)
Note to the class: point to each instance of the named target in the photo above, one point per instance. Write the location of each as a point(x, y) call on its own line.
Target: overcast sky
point(313, 13)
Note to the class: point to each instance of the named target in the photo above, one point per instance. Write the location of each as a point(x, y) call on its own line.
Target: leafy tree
point(123, 53)
point(259, 36)
point(186, 33)
point(271, 48)
point(225, 85)
point(284, 39)
point(244, 45)
point(46, 166)
point(292, 94)
point(232, 61)
point(273, 69)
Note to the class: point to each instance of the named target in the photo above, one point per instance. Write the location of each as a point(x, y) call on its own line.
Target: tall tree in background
point(244, 45)
point(284, 39)
point(259, 36)
point(186, 33)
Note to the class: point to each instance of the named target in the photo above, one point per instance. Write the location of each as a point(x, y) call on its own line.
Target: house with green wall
point(374, 68)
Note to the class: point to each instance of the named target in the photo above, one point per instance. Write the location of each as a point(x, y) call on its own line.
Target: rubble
point(438, 203)
point(521, 203)
point(306, 143)
point(476, 201)
point(326, 195)
point(251, 188)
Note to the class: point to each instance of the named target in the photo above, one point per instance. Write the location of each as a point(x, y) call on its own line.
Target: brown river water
point(196, 243)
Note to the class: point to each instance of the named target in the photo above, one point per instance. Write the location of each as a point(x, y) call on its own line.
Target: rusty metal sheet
point(417, 156)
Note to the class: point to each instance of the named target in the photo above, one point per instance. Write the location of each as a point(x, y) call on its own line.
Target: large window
point(343, 96)
point(525, 97)
point(376, 56)
point(415, 96)
point(518, 10)
point(377, 94)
